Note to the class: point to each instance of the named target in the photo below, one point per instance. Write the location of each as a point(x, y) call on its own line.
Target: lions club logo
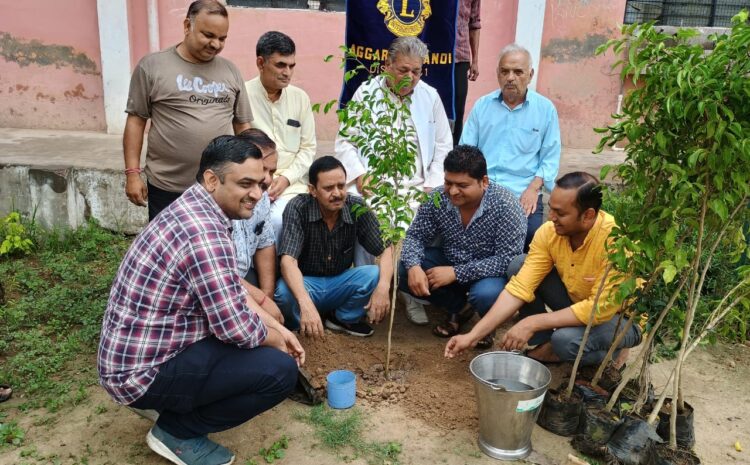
point(405, 17)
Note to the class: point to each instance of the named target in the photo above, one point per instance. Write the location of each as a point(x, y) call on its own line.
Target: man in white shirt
point(406, 56)
point(282, 111)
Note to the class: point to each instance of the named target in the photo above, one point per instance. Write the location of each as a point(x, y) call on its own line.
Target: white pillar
point(154, 44)
point(529, 28)
point(114, 43)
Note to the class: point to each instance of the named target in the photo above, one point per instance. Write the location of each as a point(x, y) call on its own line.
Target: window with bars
point(321, 5)
point(684, 13)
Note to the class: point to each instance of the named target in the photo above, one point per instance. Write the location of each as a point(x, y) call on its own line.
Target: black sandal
point(5, 392)
point(486, 342)
point(452, 324)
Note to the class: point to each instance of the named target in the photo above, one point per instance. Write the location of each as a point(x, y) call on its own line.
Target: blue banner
point(371, 26)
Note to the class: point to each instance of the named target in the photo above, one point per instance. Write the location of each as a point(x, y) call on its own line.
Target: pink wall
point(583, 87)
point(498, 30)
point(316, 35)
point(50, 67)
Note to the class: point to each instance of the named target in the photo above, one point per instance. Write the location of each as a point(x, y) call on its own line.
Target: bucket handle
point(500, 387)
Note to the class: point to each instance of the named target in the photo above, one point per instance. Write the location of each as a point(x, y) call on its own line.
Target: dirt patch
point(427, 386)
point(428, 406)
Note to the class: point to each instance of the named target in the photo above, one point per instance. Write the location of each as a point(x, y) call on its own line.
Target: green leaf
point(328, 106)
point(720, 208)
point(670, 238)
point(669, 273)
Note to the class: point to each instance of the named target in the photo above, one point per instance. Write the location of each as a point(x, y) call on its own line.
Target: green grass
point(341, 432)
point(55, 299)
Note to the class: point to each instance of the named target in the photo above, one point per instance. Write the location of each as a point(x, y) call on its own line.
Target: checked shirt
point(252, 234)
point(320, 252)
point(177, 285)
point(482, 249)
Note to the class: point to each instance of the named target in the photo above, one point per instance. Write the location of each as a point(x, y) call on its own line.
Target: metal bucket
point(510, 389)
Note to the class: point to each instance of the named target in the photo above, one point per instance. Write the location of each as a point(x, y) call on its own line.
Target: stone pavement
point(65, 177)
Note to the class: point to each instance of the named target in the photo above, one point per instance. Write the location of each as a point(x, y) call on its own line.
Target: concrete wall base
point(68, 197)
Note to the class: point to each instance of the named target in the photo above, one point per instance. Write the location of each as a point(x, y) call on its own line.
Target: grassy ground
point(54, 300)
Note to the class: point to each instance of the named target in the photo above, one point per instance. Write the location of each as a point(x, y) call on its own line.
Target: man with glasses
point(402, 80)
point(427, 118)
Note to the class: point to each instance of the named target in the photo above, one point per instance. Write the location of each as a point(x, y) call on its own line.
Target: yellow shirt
point(289, 122)
point(581, 270)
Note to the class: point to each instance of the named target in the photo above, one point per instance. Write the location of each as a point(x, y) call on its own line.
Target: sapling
point(377, 125)
point(686, 174)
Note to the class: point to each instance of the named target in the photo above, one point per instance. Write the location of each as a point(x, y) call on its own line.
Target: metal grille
point(322, 5)
point(684, 13)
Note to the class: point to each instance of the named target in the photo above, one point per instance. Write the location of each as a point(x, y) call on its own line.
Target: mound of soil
point(421, 380)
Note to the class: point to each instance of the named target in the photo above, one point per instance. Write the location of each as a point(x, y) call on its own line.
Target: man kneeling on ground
point(317, 251)
point(482, 227)
point(178, 334)
point(566, 263)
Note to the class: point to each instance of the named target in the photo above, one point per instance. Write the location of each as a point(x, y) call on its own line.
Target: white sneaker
point(414, 310)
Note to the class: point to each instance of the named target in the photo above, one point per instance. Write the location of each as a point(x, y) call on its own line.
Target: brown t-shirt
point(189, 104)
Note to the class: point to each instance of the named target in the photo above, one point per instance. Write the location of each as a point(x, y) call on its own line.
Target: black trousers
point(460, 89)
point(159, 199)
point(212, 386)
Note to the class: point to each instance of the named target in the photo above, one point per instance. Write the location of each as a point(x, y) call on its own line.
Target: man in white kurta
point(428, 119)
point(284, 113)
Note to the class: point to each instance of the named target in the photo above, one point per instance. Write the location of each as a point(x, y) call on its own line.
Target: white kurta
point(434, 139)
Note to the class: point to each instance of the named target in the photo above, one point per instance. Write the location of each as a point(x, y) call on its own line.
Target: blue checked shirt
point(518, 144)
point(482, 249)
point(176, 285)
point(252, 234)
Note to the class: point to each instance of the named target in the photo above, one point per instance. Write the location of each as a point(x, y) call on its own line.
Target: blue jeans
point(212, 386)
point(345, 294)
point(534, 221)
point(566, 341)
point(481, 293)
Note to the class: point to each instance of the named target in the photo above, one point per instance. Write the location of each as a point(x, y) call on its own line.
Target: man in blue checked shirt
point(518, 132)
point(254, 238)
point(482, 227)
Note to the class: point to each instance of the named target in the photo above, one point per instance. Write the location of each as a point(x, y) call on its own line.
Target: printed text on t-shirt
point(196, 85)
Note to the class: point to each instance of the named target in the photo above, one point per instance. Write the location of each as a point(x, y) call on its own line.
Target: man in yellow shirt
point(282, 111)
point(566, 263)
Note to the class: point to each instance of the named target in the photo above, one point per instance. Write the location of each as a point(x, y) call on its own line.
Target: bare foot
point(543, 353)
point(621, 358)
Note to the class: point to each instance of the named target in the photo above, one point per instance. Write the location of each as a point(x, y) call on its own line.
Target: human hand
point(361, 183)
point(310, 323)
point(529, 199)
point(440, 276)
point(278, 186)
point(293, 346)
point(418, 283)
point(517, 336)
point(473, 72)
point(458, 344)
point(378, 306)
point(136, 189)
